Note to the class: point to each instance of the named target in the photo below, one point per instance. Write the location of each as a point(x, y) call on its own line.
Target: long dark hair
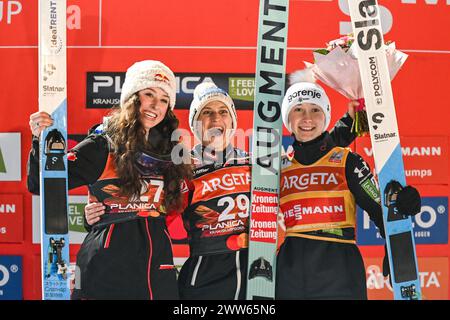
point(128, 136)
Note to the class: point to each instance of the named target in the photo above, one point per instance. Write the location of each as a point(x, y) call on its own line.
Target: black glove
point(408, 201)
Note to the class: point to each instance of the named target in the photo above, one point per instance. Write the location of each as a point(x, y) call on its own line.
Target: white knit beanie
point(205, 93)
point(305, 92)
point(148, 74)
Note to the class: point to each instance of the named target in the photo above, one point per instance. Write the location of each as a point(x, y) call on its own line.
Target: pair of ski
point(52, 151)
point(266, 146)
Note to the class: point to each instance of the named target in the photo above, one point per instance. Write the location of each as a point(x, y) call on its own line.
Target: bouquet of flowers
point(337, 66)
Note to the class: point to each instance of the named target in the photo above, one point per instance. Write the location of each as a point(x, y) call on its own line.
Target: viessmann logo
point(6, 208)
point(298, 211)
point(414, 151)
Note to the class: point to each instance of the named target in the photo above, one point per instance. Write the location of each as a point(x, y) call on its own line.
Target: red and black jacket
point(128, 260)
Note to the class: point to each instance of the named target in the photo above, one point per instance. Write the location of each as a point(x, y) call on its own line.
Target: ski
point(266, 147)
point(53, 149)
point(365, 17)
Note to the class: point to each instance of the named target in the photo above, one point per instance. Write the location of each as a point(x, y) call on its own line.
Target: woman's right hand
point(351, 108)
point(93, 211)
point(39, 121)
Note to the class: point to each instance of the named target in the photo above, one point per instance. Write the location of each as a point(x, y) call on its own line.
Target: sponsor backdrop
point(11, 278)
point(11, 218)
point(217, 40)
point(10, 150)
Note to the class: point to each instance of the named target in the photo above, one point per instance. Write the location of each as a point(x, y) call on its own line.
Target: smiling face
point(307, 121)
point(216, 120)
point(154, 105)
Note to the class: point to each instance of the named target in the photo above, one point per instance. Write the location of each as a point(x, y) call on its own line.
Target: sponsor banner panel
point(430, 226)
point(103, 88)
point(11, 278)
point(263, 224)
point(19, 21)
point(330, 18)
point(11, 218)
point(425, 158)
point(433, 275)
point(10, 155)
point(86, 19)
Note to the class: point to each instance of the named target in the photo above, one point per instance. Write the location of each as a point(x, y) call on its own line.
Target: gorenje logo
point(2, 162)
point(103, 89)
point(304, 94)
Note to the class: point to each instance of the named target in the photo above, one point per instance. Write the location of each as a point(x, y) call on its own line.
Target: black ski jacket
point(128, 260)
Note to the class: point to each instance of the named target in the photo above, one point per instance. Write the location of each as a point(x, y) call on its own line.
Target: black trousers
point(316, 269)
point(132, 260)
point(214, 277)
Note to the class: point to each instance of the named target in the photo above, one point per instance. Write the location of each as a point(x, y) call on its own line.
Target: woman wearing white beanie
point(133, 186)
point(216, 227)
point(217, 217)
point(321, 183)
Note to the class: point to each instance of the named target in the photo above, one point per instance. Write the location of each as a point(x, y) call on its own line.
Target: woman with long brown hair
point(127, 167)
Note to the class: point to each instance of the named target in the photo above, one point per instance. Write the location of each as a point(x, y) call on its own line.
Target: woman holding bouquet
point(217, 216)
point(320, 186)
